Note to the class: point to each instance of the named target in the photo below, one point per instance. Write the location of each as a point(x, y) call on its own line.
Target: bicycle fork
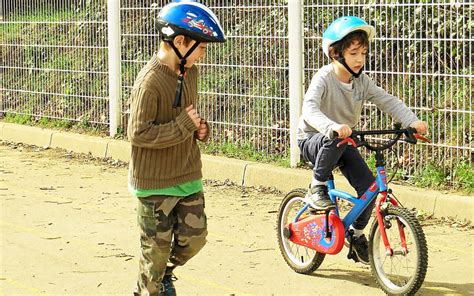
point(380, 219)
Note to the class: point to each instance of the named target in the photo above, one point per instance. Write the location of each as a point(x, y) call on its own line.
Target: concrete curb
point(27, 134)
point(241, 172)
point(118, 150)
point(2, 124)
point(95, 146)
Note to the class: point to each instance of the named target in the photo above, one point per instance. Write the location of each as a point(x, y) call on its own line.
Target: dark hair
point(337, 48)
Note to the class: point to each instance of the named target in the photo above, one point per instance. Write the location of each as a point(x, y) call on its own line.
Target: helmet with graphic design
point(341, 27)
point(189, 18)
point(194, 20)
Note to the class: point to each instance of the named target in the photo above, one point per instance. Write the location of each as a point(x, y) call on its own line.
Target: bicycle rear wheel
point(403, 272)
point(301, 259)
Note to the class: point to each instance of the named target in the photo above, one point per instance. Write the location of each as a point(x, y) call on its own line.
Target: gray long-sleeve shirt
point(328, 103)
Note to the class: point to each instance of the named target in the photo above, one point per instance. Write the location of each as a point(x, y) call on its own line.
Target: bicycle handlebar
point(357, 138)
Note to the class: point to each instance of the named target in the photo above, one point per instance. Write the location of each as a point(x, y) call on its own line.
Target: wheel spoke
point(300, 258)
point(399, 273)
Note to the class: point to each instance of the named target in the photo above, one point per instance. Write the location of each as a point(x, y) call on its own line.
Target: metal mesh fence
point(244, 82)
point(54, 60)
point(244, 86)
point(140, 40)
point(53, 63)
point(422, 53)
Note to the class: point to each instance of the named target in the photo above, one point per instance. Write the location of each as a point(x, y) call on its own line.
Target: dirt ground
point(68, 227)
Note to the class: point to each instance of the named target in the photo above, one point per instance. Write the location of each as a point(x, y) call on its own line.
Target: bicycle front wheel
point(300, 258)
point(403, 272)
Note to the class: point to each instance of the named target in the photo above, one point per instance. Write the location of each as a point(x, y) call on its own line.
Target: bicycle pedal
point(352, 255)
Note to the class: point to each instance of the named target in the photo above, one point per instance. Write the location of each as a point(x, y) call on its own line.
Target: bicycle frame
point(379, 186)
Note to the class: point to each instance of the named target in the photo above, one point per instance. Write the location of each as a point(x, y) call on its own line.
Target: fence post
point(295, 52)
point(115, 78)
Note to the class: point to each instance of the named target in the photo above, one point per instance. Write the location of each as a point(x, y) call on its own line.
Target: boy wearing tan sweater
point(165, 167)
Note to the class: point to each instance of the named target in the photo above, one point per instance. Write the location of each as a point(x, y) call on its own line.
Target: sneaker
point(360, 246)
point(319, 198)
point(166, 286)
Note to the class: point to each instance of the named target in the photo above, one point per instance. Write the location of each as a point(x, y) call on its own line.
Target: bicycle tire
point(388, 277)
point(301, 264)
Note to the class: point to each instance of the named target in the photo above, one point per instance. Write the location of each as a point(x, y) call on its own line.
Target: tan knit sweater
point(164, 148)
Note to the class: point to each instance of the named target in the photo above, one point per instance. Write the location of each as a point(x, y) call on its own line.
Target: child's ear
point(178, 40)
point(332, 53)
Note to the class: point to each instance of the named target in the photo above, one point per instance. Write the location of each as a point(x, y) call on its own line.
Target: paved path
point(68, 227)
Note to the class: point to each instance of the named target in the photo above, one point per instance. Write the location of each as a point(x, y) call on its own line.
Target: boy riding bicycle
point(332, 106)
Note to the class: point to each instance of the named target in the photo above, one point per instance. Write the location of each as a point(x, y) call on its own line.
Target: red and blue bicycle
point(398, 253)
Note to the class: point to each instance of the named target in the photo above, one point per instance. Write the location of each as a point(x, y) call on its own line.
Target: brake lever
point(348, 141)
point(420, 137)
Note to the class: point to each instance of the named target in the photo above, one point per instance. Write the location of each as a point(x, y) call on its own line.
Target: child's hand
point(193, 115)
point(343, 130)
point(202, 130)
point(420, 126)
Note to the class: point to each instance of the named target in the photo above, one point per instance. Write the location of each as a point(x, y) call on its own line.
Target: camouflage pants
point(172, 231)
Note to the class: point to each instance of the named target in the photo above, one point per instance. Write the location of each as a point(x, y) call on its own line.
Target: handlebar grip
point(410, 135)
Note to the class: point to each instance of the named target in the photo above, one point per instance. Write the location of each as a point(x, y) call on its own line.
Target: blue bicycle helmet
point(339, 29)
point(191, 19)
point(343, 26)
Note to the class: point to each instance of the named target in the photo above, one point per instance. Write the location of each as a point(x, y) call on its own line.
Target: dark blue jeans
point(325, 155)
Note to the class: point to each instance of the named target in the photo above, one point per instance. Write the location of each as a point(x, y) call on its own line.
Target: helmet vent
point(167, 31)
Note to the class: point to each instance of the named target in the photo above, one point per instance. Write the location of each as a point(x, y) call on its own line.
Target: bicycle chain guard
point(310, 232)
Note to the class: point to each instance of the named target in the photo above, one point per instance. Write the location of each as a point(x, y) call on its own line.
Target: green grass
point(18, 118)
point(430, 176)
point(48, 14)
point(82, 126)
point(463, 176)
point(434, 176)
point(244, 152)
point(8, 31)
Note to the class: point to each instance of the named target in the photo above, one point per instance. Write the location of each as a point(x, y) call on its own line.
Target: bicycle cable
point(394, 197)
point(395, 170)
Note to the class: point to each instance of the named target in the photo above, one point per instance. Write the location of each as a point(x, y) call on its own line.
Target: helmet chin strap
point(343, 62)
point(182, 71)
